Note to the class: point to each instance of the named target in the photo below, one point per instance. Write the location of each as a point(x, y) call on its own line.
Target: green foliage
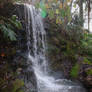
point(43, 14)
point(15, 22)
point(9, 81)
point(7, 27)
point(86, 45)
point(56, 9)
point(8, 32)
point(89, 72)
point(70, 44)
point(8, 78)
point(86, 61)
point(9, 1)
point(17, 84)
point(75, 71)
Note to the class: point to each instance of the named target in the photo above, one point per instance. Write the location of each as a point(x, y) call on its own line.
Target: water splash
point(36, 42)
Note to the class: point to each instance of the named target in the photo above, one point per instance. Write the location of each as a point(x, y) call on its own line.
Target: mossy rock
point(86, 61)
point(74, 71)
point(89, 72)
point(17, 85)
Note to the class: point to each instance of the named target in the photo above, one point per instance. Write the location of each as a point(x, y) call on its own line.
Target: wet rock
point(89, 80)
point(20, 62)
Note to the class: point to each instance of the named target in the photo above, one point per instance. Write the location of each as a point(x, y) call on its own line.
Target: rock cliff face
point(19, 59)
point(28, 76)
point(57, 43)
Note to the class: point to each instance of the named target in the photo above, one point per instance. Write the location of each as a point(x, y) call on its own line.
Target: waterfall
point(36, 43)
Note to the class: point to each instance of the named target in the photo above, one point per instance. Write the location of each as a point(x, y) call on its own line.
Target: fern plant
point(7, 27)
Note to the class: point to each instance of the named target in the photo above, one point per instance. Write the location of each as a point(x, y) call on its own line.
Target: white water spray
point(36, 42)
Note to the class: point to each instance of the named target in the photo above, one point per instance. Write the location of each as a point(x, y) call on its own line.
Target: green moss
point(89, 72)
point(17, 85)
point(74, 71)
point(86, 61)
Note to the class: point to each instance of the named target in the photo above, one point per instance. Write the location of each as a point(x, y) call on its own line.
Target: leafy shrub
point(89, 72)
point(87, 61)
point(17, 85)
point(8, 79)
point(7, 27)
point(74, 71)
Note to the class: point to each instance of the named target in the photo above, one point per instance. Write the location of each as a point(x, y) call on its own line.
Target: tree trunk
point(81, 11)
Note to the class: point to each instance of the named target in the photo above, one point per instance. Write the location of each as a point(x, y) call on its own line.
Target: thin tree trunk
point(89, 9)
point(81, 11)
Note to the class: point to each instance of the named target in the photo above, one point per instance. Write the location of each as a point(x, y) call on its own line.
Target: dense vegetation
point(69, 43)
point(9, 81)
point(75, 38)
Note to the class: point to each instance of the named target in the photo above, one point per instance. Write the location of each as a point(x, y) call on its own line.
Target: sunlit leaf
point(57, 11)
point(43, 14)
point(58, 20)
point(51, 13)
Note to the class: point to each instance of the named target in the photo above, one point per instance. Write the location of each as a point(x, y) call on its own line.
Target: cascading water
point(36, 42)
